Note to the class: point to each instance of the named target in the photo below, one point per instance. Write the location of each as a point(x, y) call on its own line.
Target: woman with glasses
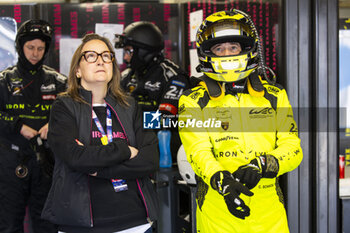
point(103, 156)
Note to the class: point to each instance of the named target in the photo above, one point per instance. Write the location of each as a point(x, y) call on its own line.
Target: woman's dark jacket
point(68, 202)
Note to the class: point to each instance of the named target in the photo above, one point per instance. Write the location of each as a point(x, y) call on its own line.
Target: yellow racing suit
point(226, 133)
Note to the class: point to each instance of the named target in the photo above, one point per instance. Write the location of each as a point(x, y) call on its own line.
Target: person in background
point(103, 157)
point(27, 91)
point(254, 139)
point(154, 81)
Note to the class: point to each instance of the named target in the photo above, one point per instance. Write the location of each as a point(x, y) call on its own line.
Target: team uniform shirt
point(160, 85)
point(26, 99)
point(224, 134)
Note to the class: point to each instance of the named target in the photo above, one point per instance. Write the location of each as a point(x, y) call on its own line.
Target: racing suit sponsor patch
point(152, 86)
point(48, 97)
point(225, 125)
point(48, 88)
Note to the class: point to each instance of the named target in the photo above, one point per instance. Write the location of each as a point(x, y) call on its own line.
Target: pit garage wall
point(75, 20)
point(310, 66)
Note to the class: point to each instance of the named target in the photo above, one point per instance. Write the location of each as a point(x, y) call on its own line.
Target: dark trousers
point(17, 193)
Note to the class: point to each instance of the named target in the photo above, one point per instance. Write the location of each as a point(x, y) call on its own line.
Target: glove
point(230, 189)
point(265, 166)
point(249, 174)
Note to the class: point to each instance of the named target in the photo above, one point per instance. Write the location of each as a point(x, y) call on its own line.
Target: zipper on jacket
point(144, 200)
point(91, 217)
point(137, 181)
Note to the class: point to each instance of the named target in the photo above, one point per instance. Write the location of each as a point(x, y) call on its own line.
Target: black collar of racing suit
point(31, 81)
point(28, 70)
point(236, 87)
point(217, 90)
point(141, 67)
point(251, 85)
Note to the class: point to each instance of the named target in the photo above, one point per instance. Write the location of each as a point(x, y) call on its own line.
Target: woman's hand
point(133, 151)
point(78, 142)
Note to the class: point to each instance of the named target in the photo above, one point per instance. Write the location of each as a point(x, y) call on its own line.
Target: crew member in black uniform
point(27, 91)
point(154, 81)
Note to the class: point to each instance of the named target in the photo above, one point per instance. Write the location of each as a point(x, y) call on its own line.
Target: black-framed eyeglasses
point(92, 56)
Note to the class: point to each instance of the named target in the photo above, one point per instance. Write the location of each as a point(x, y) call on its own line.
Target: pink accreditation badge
point(119, 185)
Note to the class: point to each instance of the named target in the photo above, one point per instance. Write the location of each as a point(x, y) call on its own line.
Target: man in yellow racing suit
point(238, 132)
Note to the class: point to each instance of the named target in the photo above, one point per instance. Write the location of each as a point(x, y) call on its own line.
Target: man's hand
point(230, 189)
point(43, 131)
point(249, 174)
point(28, 132)
point(265, 166)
